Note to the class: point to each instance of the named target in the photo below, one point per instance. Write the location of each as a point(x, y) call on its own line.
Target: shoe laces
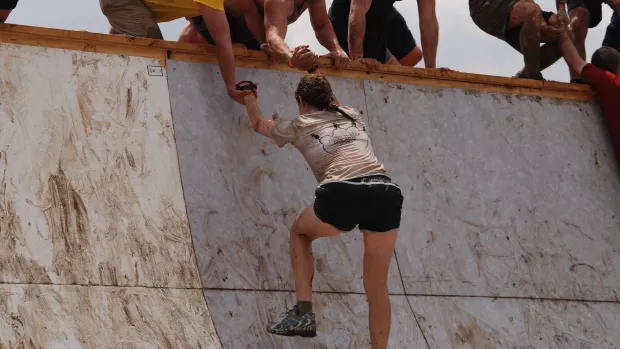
point(292, 311)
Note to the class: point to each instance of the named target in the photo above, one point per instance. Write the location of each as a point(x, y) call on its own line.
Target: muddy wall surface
point(95, 248)
point(511, 223)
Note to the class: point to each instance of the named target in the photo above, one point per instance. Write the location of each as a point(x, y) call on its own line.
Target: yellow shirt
point(169, 10)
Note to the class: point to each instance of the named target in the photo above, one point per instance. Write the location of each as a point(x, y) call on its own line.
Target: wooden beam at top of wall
point(143, 47)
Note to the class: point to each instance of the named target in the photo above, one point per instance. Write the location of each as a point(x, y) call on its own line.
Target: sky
point(462, 46)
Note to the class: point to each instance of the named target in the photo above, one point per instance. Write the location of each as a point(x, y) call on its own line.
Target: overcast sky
point(462, 46)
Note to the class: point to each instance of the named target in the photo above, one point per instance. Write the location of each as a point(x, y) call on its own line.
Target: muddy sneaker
point(290, 324)
point(520, 75)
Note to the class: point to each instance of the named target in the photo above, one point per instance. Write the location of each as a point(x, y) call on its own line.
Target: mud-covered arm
point(259, 123)
point(429, 31)
point(357, 27)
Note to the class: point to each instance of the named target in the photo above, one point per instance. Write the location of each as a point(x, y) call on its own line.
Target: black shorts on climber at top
point(385, 29)
point(8, 4)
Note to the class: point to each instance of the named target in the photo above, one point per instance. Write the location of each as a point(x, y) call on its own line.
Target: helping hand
point(341, 60)
point(303, 58)
point(271, 56)
point(239, 96)
point(370, 63)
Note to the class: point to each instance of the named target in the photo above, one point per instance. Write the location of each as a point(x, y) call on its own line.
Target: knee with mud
point(532, 13)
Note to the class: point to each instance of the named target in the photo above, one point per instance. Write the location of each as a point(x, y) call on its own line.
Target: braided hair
point(315, 90)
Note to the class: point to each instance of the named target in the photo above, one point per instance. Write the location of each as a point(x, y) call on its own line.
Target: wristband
point(289, 60)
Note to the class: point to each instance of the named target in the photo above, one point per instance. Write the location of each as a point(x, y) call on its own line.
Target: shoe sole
point(295, 334)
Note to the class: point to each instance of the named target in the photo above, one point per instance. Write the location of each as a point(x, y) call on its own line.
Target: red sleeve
point(601, 81)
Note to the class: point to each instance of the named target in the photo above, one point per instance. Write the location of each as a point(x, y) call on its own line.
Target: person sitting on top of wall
point(139, 18)
point(524, 26)
point(366, 28)
point(6, 6)
point(263, 24)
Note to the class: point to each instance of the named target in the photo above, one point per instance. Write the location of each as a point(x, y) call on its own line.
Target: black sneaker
point(290, 324)
point(538, 77)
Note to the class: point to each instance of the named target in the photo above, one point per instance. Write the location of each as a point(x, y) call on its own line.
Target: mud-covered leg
point(528, 16)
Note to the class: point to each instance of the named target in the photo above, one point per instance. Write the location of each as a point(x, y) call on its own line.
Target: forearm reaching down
point(217, 24)
point(429, 31)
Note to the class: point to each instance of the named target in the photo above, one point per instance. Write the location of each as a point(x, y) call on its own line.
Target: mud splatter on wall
point(91, 205)
point(90, 189)
point(44, 316)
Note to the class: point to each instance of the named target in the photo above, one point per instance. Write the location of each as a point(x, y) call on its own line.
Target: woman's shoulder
point(354, 113)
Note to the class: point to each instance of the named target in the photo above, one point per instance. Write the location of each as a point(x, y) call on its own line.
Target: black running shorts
point(375, 38)
point(373, 203)
point(8, 4)
point(398, 37)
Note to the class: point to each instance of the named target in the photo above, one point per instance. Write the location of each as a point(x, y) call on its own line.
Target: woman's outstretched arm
point(259, 123)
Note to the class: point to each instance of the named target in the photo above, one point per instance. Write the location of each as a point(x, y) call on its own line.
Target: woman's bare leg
point(306, 228)
point(299, 321)
point(377, 256)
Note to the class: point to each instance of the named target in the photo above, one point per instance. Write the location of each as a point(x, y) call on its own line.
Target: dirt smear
point(67, 219)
